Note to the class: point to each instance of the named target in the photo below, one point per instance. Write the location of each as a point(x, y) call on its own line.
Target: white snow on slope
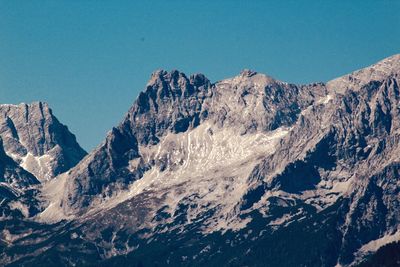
point(38, 166)
point(325, 100)
point(202, 167)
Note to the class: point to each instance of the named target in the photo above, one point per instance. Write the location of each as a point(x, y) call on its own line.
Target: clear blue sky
point(89, 59)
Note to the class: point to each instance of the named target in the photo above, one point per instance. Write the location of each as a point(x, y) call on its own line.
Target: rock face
point(242, 172)
point(34, 138)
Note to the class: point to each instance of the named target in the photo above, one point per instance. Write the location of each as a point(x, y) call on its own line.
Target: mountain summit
point(34, 138)
point(246, 171)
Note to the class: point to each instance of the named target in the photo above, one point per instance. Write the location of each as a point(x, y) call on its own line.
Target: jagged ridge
point(234, 167)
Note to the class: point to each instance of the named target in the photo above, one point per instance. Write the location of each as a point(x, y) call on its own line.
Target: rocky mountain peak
point(34, 138)
point(175, 84)
point(252, 79)
point(171, 101)
point(199, 80)
point(247, 73)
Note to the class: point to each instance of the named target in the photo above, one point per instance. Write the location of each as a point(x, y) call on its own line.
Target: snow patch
point(325, 100)
point(199, 167)
point(38, 166)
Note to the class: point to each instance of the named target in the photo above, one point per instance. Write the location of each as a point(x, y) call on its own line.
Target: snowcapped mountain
point(248, 171)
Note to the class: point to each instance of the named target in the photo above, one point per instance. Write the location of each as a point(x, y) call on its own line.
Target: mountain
point(172, 106)
point(35, 139)
point(34, 148)
point(247, 171)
